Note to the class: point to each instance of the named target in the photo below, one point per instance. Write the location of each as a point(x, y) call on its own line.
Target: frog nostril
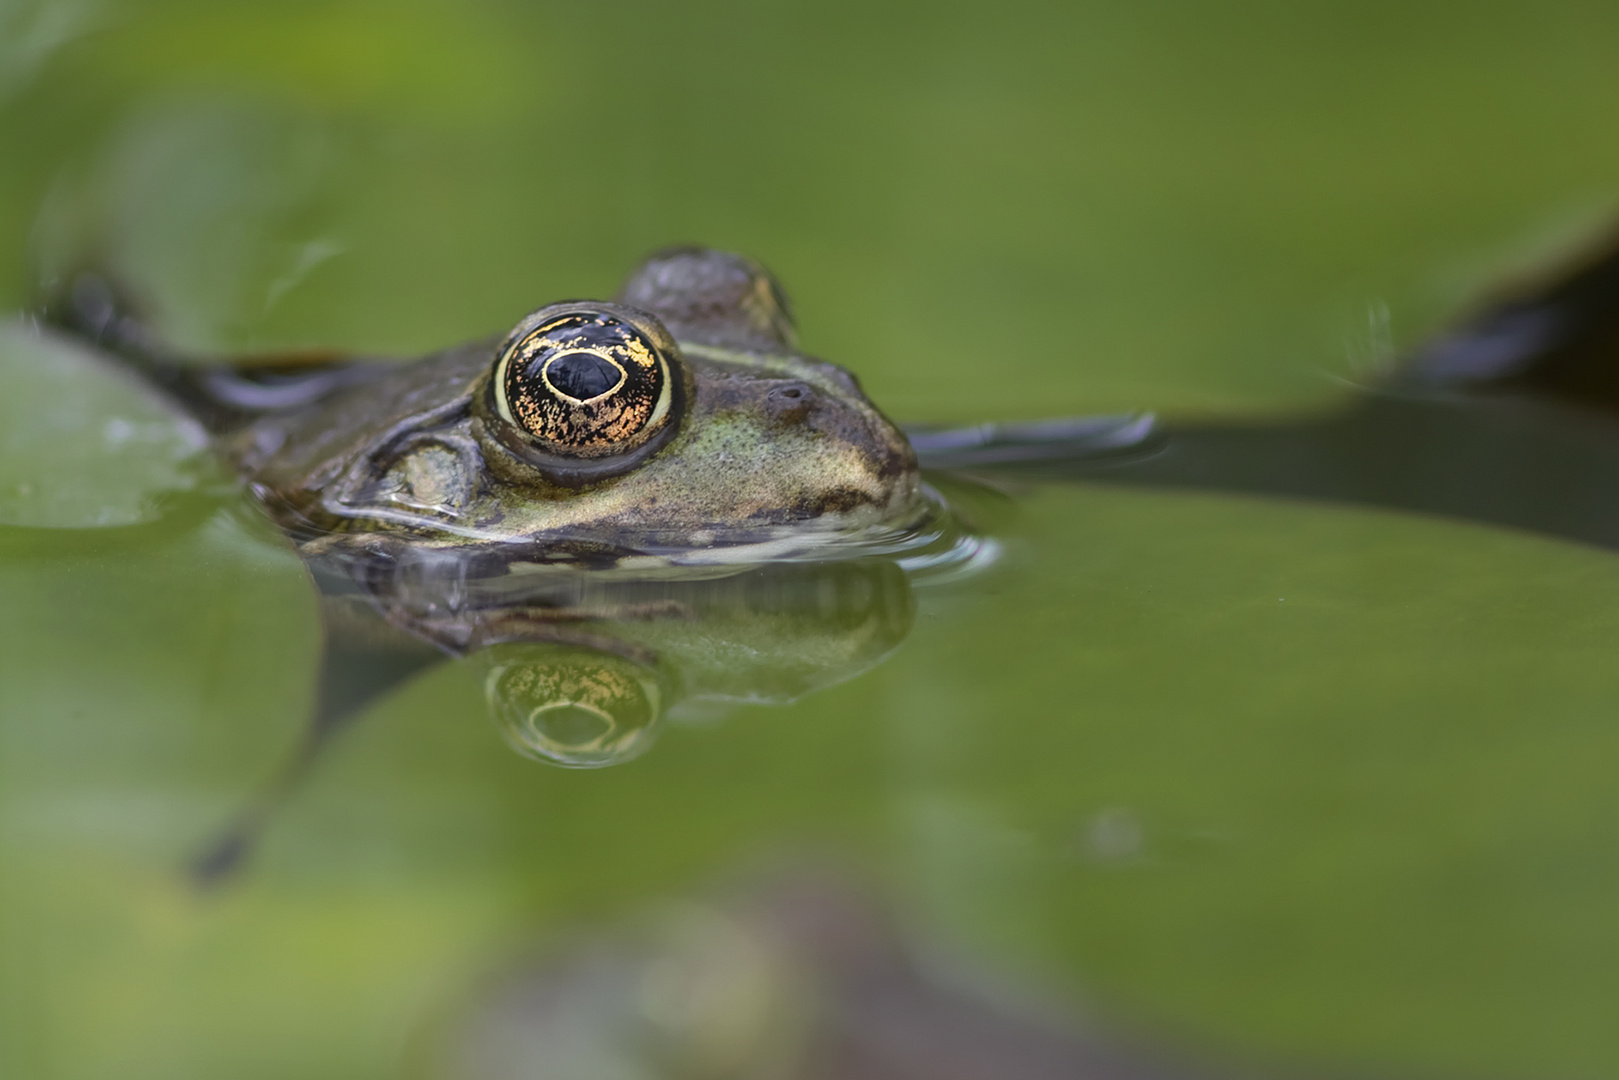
point(790, 402)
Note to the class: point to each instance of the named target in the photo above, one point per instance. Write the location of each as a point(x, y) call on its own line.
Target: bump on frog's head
point(582, 391)
point(713, 297)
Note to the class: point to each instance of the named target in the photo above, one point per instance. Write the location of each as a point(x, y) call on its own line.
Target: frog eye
point(584, 383)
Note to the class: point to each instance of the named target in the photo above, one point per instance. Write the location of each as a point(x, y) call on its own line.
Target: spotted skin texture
point(768, 444)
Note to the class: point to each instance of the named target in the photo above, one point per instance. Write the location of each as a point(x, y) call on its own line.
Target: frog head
point(679, 416)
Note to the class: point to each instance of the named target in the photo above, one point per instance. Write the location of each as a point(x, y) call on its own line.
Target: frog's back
point(298, 448)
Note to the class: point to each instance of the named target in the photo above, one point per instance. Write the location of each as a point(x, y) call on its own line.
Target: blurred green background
point(1169, 205)
point(1367, 758)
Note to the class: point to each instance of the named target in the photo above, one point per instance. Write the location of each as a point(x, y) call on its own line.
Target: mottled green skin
point(772, 448)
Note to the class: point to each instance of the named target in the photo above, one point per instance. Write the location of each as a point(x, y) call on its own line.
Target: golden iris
point(584, 384)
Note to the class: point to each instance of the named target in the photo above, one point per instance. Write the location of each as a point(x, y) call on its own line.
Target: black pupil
point(582, 375)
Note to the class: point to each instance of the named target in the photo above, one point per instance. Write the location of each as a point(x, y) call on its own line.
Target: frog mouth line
point(931, 541)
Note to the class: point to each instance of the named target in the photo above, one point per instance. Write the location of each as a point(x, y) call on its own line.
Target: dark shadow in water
point(1511, 419)
point(1541, 466)
point(363, 658)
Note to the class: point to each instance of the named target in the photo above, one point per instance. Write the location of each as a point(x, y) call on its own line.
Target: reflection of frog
point(582, 665)
point(678, 421)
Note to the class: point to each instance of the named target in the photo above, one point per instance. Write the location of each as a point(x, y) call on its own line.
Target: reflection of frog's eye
point(572, 706)
point(586, 382)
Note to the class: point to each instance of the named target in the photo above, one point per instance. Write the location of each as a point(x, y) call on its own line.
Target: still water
point(1286, 748)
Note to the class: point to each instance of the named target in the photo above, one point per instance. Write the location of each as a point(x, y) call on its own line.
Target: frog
point(677, 419)
point(619, 510)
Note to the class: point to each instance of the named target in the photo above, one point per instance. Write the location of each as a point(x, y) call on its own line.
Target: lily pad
point(84, 444)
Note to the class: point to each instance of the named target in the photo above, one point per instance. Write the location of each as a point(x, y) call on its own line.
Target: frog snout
point(865, 442)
